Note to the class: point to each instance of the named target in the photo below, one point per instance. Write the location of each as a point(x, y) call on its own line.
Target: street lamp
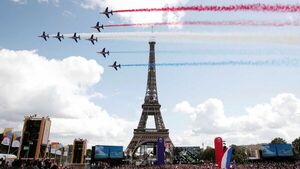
point(30, 143)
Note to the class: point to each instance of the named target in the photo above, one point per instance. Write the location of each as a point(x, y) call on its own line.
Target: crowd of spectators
point(48, 164)
point(30, 164)
point(250, 165)
point(269, 165)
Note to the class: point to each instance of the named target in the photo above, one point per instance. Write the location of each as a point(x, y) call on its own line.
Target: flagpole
point(67, 157)
point(9, 146)
point(61, 155)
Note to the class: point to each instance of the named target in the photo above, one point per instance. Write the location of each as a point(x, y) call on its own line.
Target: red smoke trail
point(213, 23)
point(243, 7)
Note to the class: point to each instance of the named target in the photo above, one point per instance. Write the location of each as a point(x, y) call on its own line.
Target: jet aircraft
point(106, 12)
point(44, 35)
point(104, 53)
point(98, 27)
point(115, 65)
point(75, 37)
point(92, 39)
point(58, 36)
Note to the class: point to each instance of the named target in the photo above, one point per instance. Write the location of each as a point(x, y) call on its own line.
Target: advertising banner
point(160, 151)
point(218, 150)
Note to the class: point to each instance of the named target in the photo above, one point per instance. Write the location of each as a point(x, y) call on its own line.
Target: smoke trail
point(285, 62)
point(243, 7)
point(157, 51)
point(240, 37)
point(213, 23)
point(137, 51)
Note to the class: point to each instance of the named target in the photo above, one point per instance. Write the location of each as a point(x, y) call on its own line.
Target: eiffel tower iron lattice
point(151, 107)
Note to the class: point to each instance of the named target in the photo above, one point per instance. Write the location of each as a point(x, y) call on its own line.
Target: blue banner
point(160, 151)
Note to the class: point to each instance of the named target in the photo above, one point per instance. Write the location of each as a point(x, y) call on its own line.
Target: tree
point(278, 140)
point(209, 154)
point(296, 146)
point(88, 153)
point(239, 154)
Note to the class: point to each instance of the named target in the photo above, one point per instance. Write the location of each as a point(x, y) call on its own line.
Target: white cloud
point(30, 84)
point(139, 17)
point(43, 1)
point(261, 123)
point(20, 2)
point(67, 13)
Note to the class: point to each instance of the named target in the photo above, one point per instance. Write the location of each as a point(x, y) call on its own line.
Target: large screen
point(104, 152)
point(268, 150)
point(116, 152)
point(101, 152)
point(185, 155)
point(284, 150)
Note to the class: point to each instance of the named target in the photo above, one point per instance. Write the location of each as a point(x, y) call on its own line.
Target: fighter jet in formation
point(106, 12)
point(75, 37)
point(92, 39)
point(98, 27)
point(58, 36)
point(44, 35)
point(104, 53)
point(115, 65)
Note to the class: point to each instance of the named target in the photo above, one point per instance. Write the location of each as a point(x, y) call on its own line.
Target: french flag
point(225, 164)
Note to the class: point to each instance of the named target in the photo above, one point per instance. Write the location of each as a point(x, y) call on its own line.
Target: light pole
point(30, 143)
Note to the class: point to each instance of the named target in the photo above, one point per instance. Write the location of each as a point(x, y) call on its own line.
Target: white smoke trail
point(244, 37)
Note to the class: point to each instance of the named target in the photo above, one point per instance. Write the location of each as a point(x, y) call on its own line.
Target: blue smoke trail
point(158, 51)
point(285, 62)
point(130, 51)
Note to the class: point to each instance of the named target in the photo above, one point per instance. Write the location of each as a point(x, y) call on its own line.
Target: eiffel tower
point(151, 107)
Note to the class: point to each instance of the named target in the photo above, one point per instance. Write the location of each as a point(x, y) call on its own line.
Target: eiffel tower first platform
point(151, 107)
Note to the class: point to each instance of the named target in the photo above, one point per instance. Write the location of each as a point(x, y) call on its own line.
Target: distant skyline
point(73, 85)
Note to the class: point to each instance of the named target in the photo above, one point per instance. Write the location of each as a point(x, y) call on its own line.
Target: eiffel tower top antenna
point(152, 37)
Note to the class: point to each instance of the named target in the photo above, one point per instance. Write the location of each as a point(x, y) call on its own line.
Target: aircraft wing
point(116, 68)
point(107, 15)
point(98, 29)
point(92, 42)
point(45, 38)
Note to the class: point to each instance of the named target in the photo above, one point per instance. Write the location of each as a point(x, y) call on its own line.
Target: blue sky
point(186, 94)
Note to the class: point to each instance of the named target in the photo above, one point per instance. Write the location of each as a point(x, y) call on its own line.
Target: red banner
point(218, 150)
